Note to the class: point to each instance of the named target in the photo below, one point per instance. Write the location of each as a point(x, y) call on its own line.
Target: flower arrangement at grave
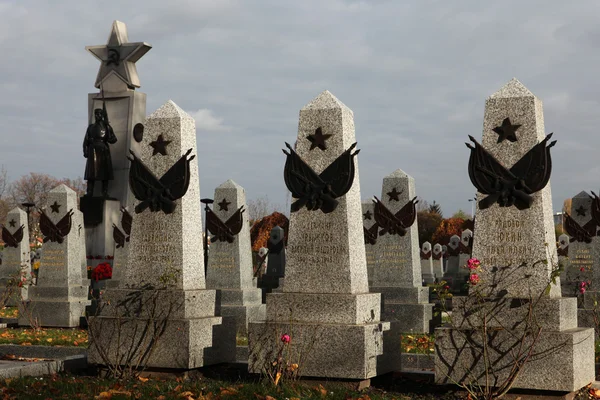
point(102, 271)
point(261, 229)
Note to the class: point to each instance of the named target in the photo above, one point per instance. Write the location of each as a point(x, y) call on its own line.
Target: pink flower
point(286, 338)
point(474, 279)
point(582, 290)
point(473, 264)
point(582, 269)
point(447, 287)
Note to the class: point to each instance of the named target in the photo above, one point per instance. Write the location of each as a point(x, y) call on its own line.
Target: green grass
point(44, 337)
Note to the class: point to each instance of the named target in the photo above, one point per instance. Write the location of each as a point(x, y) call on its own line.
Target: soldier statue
point(95, 148)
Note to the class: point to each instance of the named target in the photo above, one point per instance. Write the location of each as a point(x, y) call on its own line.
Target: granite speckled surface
point(230, 264)
point(167, 245)
point(397, 257)
point(326, 262)
point(563, 357)
point(326, 252)
point(427, 262)
point(507, 236)
point(59, 298)
point(15, 260)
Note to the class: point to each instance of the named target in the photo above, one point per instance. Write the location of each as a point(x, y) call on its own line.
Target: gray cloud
point(416, 75)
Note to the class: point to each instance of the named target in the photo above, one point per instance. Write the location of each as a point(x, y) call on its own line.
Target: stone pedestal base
point(338, 335)
point(328, 350)
point(53, 313)
point(184, 343)
point(408, 310)
point(561, 361)
point(193, 336)
point(562, 358)
point(13, 294)
point(243, 305)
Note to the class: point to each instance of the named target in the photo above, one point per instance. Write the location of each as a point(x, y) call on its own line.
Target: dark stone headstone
point(276, 260)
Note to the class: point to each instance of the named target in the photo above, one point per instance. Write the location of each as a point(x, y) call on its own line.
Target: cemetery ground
point(226, 381)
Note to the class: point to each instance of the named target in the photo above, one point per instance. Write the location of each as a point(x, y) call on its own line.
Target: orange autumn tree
point(261, 229)
point(448, 228)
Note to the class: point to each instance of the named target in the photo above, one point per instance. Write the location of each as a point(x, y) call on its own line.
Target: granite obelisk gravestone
point(397, 272)
point(326, 298)
point(16, 261)
point(584, 245)
point(59, 298)
point(165, 271)
point(230, 263)
point(514, 242)
point(426, 263)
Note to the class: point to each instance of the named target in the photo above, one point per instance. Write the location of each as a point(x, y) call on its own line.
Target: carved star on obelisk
point(55, 207)
point(160, 145)
point(394, 195)
point(507, 131)
point(580, 211)
point(223, 205)
point(368, 215)
point(318, 139)
point(12, 223)
point(118, 56)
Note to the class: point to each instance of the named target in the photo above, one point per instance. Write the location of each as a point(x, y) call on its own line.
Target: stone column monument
point(230, 262)
point(325, 305)
point(162, 295)
point(16, 260)
point(60, 297)
point(515, 243)
point(397, 272)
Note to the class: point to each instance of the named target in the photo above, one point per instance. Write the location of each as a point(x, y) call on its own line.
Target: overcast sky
point(416, 73)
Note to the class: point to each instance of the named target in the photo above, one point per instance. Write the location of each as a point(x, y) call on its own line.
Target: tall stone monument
point(325, 304)
point(371, 234)
point(60, 296)
point(397, 272)
point(426, 263)
point(584, 245)
point(164, 281)
point(438, 261)
point(515, 244)
point(230, 262)
point(125, 107)
point(16, 260)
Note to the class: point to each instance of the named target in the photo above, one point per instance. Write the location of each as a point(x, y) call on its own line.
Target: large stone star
point(160, 145)
point(12, 223)
point(118, 57)
point(368, 215)
point(55, 207)
point(223, 205)
point(580, 211)
point(394, 195)
point(506, 131)
point(318, 139)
